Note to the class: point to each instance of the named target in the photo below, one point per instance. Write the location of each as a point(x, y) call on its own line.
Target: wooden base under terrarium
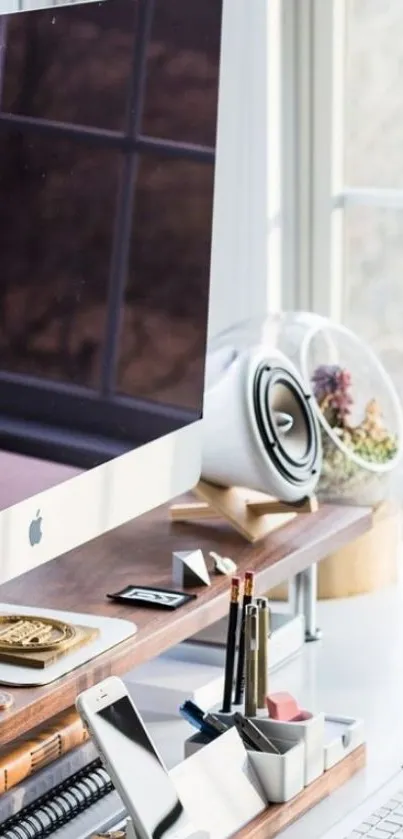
point(367, 564)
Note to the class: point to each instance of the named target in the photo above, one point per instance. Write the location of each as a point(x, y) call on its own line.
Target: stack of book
point(48, 777)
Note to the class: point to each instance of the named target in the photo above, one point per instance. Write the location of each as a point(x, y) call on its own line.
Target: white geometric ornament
point(223, 564)
point(189, 569)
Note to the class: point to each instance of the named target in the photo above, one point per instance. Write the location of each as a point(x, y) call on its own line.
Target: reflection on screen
point(108, 114)
point(150, 793)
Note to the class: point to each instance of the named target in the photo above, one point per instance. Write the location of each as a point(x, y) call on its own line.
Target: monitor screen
point(108, 116)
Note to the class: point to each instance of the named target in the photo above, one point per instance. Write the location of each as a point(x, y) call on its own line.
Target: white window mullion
point(274, 185)
point(322, 279)
point(307, 161)
point(298, 148)
point(315, 197)
point(337, 271)
point(292, 87)
point(304, 152)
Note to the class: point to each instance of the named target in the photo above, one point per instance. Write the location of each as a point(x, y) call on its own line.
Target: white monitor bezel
point(80, 509)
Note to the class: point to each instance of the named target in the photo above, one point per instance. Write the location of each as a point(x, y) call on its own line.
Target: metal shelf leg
point(303, 599)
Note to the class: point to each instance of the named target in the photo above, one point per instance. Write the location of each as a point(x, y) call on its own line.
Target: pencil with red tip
point(231, 643)
point(249, 584)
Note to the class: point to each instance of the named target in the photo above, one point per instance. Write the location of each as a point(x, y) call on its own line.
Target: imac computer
point(108, 124)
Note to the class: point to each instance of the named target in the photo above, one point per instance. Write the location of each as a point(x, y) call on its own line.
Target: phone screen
point(141, 774)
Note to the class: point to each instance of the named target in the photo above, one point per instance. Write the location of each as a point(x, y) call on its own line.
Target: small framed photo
point(152, 598)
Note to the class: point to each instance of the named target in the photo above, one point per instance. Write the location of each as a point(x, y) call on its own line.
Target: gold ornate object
point(35, 641)
point(23, 633)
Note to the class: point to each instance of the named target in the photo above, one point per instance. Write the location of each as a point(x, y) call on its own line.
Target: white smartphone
point(132, 761)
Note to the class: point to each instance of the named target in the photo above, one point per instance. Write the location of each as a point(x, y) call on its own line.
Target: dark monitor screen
point(108, 115)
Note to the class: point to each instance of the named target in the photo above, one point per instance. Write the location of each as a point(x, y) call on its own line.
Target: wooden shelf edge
point(279, 816)
point(78, 582)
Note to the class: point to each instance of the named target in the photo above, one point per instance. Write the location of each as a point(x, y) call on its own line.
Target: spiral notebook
point(61, 805)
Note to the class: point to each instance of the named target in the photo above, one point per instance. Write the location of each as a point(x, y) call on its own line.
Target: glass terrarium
point(355, 400)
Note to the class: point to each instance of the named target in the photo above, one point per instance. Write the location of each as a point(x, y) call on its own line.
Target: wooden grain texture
point(370, 562)
point(260, 508)
point(140, 553)
point(252, 514)
point(231, 504)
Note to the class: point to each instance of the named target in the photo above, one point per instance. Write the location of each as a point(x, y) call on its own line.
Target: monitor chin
point(83, 507)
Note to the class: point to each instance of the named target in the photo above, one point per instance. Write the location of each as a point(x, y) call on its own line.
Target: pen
point(251, 661)
point(191, 712)
point(247, 599)
point(262, 604)
point(196, 717)
point(231, 644)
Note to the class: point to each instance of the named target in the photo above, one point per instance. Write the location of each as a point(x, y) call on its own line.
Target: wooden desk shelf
point(140, 552)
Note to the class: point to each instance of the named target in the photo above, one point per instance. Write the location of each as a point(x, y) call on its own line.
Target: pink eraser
point(282, 706)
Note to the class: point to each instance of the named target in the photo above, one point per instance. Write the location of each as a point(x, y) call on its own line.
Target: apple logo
point(35, 530)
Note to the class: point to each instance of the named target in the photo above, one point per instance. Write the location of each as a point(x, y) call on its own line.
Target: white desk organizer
point(281, 776)
point(311, 732)
point(194, 743)
point(219, 788)
point(309, 747)
point(342, 736)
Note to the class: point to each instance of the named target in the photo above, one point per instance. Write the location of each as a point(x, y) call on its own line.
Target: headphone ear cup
point(260, 430)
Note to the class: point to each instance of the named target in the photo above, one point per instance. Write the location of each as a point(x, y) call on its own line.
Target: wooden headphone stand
point(252, 514)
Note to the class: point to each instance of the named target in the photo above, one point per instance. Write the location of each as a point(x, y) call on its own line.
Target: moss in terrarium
point(370, 439)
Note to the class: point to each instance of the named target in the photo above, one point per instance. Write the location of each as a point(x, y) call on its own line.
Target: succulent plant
point(342, 476)
point(370, 439)
point(332, 386)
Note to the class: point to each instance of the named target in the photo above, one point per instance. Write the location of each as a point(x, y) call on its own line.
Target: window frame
point(315, 193)
point(308, 157)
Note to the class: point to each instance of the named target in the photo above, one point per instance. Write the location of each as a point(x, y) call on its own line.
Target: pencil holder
point(281, 776)
point(194, 744)
point(310, 731)
point(309, 728)
point(218, 785)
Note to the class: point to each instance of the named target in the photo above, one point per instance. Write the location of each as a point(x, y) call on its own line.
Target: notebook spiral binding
point(59, 806)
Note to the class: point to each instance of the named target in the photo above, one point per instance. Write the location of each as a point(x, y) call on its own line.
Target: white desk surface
point(356, 670)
